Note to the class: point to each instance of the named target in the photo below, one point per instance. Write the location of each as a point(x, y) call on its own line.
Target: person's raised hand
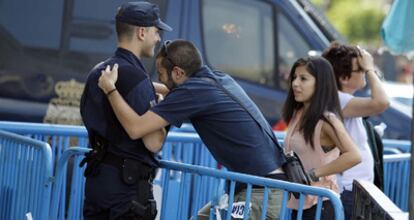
point(108, 78)
point(365, 60)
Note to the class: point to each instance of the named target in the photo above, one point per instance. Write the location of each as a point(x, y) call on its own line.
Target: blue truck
point(47, 49)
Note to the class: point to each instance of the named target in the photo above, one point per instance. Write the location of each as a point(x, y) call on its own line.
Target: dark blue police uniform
point(233, 137)
point(120, 170)
point(106, 192)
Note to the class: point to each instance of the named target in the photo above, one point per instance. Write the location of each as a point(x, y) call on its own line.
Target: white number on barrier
point(238, 210)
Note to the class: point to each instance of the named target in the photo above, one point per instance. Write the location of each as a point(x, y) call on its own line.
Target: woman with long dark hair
point(315, 130)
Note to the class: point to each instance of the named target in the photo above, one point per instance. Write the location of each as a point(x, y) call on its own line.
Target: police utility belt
point(132, 170)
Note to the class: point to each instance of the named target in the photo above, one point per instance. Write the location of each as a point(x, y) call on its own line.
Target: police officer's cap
point(143, 14)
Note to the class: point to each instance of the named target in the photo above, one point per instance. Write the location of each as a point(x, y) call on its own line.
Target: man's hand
point(108, 78)
point(365, 60)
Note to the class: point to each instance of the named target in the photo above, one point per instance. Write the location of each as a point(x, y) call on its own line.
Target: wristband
point(371, 70)
point(312, 175)
point(109, 93)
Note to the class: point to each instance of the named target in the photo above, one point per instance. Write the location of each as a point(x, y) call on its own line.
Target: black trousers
point(107, 196)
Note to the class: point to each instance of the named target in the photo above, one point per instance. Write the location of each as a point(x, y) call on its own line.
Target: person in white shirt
point(352, 66)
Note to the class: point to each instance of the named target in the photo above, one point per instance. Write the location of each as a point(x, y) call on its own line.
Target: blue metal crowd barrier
point(60, 138)
point(25, 169)
point(188, 200)
point(187, 148)
point(185, 207)
point(179, 146)
point(397, 180)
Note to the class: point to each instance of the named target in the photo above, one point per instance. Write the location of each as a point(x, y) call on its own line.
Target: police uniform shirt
point(136, 88)
point(232, 136)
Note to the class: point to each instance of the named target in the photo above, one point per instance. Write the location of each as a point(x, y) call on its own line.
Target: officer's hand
point(161, 88)
point(160, 97)
point(108, 78)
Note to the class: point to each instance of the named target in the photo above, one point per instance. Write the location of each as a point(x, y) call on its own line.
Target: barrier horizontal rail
point(43, 129)
point(25, 169)
point(80, 131)
point(403, 145)
point(59, 137)
point(391, 150)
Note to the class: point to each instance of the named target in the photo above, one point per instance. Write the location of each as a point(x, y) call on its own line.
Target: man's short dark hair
point(181, 53)
point(340, 56)
point(124, 31)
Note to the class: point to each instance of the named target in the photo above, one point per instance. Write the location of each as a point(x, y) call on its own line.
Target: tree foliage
point(358, 20)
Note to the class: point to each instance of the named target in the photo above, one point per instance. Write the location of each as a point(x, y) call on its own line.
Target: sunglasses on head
point(165, 48)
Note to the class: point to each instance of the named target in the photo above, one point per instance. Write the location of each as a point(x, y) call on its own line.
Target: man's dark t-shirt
point(227, 129)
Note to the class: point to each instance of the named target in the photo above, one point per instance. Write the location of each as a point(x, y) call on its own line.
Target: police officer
point(120, 170)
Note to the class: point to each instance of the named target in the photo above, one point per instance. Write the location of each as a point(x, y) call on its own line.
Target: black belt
point(276, 176)
point(113, 160)
point(118, 162)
